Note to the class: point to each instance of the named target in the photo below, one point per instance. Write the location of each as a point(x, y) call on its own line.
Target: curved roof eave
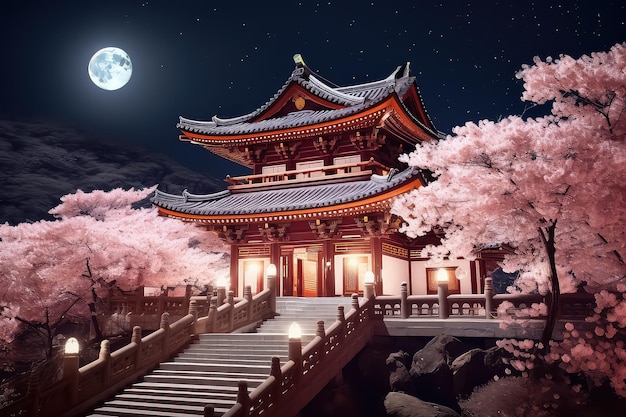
point(338, 95)
point(270, 202)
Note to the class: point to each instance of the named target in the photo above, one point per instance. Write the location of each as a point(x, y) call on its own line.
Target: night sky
point(202, 58)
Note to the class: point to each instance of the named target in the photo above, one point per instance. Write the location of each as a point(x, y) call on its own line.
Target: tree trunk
point(554, 300)
point(94, 315)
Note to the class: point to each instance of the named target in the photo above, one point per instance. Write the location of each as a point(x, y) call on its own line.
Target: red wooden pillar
point(377, 262)
point(234, 268)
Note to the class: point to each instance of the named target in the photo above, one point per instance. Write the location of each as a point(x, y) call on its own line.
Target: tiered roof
point(334, 199)
point(307, 106)
point(393, 103)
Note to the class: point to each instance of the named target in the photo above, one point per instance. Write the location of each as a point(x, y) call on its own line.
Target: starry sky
point(203, 58)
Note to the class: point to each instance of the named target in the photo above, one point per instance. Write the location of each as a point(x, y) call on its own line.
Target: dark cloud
point(40, 163)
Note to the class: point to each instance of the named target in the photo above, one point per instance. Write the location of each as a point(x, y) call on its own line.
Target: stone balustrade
point(474, 305)
point(290, 387)
point(80, 389)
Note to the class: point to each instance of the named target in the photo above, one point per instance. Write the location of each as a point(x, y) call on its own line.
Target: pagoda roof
point(331, 103)
point(323, 198)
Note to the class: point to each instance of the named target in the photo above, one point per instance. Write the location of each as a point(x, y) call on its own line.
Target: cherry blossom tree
point(53, 270)
point(551, 187)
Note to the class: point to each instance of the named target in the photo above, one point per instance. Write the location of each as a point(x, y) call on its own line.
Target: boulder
point(398, 404)
point(468, 372)
point(399, 378)
point(430, 371)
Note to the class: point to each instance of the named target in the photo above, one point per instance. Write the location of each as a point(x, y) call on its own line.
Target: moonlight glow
point(110, 68)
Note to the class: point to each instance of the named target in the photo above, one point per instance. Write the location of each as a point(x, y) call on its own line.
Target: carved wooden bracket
point(232, 233)
point(324, 229)
point(274, 232)
point(325, 145)
point(372, 141)
point(252, 154)
point(287, 151)
point(378, 224)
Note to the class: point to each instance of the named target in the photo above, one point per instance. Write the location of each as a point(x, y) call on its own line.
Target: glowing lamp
point(271, 270)
point(442, 275)
point(295, 332)
point(71, 346)
point(369, 277)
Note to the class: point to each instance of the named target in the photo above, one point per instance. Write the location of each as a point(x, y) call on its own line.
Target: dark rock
point(468, 372)
point(398, 404)
point(399, 378)
point(430, 371)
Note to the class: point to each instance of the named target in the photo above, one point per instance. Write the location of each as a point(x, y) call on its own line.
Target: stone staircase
point(209, 370)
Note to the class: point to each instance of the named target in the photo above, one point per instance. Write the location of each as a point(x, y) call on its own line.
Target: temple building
point(325, 171)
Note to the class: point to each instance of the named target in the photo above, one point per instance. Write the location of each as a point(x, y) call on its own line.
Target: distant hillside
point(40, 163)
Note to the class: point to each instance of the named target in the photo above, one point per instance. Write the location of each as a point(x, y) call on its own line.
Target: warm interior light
point(369, 277)
point(271, 270)
point(71, 346)
point(294, 331)
point(442, 275)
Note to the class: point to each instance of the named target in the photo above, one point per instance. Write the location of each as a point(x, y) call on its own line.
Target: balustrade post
point(165, 325)
point(341, 317)
point(70, 369)
point(404, 301)
point(276, 372)
point(442, 295)
point(295, 349)
point(193, 309)
point(105, 356)
point(212, 319)
point(368, 291)
point(321, 332)
point(231, 310)
point(488, 298)
point(209, 411)
point(243, 398)
point(355, 302)
point(136, 339)
point(271, 286)
point(221, 295)
point(247, 294)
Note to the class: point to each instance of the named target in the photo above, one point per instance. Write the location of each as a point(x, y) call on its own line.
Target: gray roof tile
point(283, 199)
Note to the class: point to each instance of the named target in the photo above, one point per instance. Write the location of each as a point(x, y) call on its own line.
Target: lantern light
point(295, 332)
point(442, 275)
point(71, 346)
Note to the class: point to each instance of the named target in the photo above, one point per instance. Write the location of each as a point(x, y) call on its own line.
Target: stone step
point(197, 401)
point(209, 370)
point(160, 377)
point(214, 368)
point(123, 408)
point(225, 357)
point(186, 388)
point(258, 351)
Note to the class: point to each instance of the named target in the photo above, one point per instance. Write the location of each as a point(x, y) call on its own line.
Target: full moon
point(110, 68)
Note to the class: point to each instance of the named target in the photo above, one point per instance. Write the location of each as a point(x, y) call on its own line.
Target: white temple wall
point(394, 272)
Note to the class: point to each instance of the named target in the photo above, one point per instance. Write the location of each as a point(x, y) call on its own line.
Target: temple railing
point(289, 388)
point(443, 305)
point(325, 172)
point(81, 389)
